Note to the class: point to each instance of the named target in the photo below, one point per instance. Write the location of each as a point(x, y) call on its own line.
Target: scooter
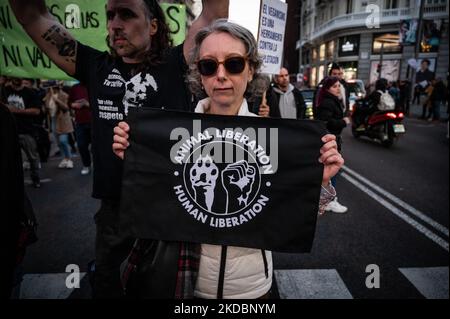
point(384, 126)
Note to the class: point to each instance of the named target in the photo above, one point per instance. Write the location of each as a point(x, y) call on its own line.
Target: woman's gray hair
point(236, 31)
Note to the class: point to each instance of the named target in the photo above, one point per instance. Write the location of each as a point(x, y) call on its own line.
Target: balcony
point(431, 11)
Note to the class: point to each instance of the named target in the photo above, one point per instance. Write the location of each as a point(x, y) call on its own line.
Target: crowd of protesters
point(36, 117)
point(48, 113)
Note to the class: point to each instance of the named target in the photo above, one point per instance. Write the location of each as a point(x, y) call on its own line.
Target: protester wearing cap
point(23, 103)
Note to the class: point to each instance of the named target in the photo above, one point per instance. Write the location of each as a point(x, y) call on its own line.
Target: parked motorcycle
point(384, 126)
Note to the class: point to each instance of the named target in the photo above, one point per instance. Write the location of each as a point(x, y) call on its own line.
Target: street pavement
point(391, 244)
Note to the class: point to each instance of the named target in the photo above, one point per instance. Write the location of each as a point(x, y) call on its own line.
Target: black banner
point(224, 180)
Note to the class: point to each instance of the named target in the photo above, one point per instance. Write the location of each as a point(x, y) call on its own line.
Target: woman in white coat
point(224, 63)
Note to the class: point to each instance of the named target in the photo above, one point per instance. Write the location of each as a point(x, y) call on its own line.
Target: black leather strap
point(266, 267)
point(223, 259)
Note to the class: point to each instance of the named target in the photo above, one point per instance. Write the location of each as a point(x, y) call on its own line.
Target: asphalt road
point(378, 230)
point(397, 224)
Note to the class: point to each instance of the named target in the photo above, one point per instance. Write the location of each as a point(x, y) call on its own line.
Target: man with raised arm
point(141, 70)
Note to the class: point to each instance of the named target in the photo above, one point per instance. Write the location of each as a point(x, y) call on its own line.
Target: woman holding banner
point(224, 63)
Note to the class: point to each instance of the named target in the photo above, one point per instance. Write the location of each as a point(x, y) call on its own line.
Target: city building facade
point(359, 33)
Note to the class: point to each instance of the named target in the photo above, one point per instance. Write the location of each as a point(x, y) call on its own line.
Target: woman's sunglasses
point(233, 65)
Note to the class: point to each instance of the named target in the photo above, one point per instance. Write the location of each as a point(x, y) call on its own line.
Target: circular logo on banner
point(220, 184)
point(211, 184)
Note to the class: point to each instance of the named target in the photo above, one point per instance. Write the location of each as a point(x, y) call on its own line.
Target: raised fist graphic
point(238, 179)
point(203, 175)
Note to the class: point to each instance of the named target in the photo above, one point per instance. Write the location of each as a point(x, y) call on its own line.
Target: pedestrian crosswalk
point(29, 182)
point(431, 282)
point(46, 286)
point(311, 284)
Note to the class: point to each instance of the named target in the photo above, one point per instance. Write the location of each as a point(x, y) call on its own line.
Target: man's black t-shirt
point(24, 98)
point(112, 91)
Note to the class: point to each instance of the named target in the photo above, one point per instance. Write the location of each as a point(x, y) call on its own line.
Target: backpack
point(387, 102)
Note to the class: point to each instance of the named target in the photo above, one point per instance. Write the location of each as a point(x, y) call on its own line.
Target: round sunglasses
point(233, 65)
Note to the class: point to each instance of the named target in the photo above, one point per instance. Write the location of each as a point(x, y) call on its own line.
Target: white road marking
point(431, 282)
point(43, 180)
point(399, 202)
point(46, 286)
point(311, 284)
point(438, 240)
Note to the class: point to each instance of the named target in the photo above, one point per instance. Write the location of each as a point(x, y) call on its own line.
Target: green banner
point(85, 20)
point(176, 19)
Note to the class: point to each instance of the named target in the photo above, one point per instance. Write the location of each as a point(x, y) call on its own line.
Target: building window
point(314, 76)
point(391, 4)
point(350, 70)
point(305, 57)
point(349, 45)
point(349, 7)
point(390, 70)
point(431, 36)
point(431, 67)
point(389, 41)
point(330, 50)
point(322, 52)
point(314, 54)
point(321, 74)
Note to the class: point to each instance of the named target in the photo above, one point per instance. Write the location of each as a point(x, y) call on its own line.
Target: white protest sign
point(271, 34)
